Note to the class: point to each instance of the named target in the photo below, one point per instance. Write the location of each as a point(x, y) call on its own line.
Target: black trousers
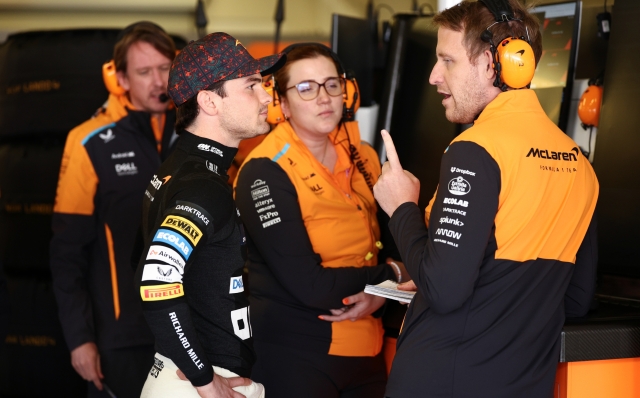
point(125, 371)
point(292, 373)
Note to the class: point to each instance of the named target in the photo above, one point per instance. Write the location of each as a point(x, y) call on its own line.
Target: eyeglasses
point(309, 90)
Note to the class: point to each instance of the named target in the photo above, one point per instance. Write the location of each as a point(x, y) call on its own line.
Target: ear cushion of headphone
point(517, 62)
point(110, 78)
point(589, 106)
point(274, 110)
point(352, 95)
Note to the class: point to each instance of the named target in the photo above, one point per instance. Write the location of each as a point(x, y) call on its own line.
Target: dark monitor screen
point(352, 40)
point(554, 74)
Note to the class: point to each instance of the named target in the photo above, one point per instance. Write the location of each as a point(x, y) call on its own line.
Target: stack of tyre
point(50, 81)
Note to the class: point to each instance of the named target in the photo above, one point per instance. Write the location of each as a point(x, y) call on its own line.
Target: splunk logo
point(547, 154)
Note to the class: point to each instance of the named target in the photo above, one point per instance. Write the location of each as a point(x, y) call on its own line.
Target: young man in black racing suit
point(190, 272)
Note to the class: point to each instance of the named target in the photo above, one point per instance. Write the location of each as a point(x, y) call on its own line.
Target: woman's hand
point(357, 306)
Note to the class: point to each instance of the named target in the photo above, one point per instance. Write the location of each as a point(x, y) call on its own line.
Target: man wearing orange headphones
point(107, 163)
point(509, 248)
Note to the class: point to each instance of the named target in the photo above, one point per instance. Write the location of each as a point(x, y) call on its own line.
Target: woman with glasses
point(305, 198)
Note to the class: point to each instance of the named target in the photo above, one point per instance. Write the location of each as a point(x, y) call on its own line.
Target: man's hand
point(220, 387)
point(357, 306)
point(85, 359)
point(408, 286)
point(395, 186)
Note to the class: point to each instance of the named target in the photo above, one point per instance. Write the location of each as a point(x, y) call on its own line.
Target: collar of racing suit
point(218, 157)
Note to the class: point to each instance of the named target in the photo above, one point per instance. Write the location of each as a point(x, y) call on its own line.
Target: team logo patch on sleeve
point(176, 240)
point(161, 292)
point(236, 285)
point(166, 255)
point(185, 226)
point(161, 273)
point(459, 186)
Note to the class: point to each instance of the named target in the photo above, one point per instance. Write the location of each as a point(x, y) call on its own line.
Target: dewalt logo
point(161, 292)
point(185, 226)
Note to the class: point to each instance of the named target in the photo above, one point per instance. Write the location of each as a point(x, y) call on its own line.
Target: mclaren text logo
point(457, 202)
point(459, 186)
point(161, 292)
point(183, 225)
point(547, 154)
point(156, 182)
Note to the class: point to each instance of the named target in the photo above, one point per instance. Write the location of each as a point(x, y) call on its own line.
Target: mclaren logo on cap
point(161, 292)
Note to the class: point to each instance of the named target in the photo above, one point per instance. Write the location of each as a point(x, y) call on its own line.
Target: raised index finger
point(392, 155)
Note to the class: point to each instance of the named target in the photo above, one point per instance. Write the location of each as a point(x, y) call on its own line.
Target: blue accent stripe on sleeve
point(282, 152)
point(96, 131)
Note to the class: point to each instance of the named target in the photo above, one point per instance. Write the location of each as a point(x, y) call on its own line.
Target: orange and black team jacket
point(510, 250)
point(312, 239)
point(107, 163)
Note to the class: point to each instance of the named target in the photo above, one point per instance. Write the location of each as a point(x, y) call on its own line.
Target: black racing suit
point(190, 272)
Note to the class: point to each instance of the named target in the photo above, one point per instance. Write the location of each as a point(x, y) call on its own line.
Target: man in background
point(108, 161)
point(510, 248)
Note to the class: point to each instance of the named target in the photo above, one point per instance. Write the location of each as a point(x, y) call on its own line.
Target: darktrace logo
point(547, 154)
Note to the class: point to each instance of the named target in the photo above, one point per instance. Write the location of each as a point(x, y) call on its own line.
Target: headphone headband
point(500, 9)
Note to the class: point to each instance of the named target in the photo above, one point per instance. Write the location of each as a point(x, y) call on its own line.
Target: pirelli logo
point(161, 292)
point(185, 226)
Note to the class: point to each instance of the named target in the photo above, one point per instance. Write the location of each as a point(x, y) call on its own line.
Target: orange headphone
point(590, 102)
point(351, 94)
point(513, 58)
point(110, 78)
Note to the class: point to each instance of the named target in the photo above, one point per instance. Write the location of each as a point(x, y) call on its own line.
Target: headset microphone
point(163, 97)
